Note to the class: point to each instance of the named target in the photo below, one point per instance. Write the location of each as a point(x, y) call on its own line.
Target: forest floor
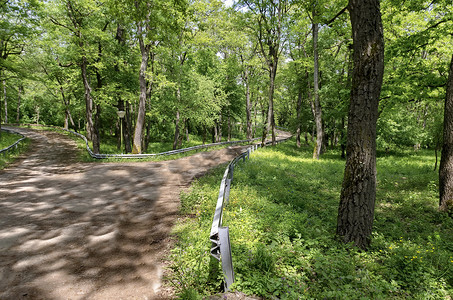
point(74, 230)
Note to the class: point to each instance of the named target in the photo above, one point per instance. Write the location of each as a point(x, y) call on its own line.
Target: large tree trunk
point(358, 193)
point(145, 50)
point(317, 105)
point(446, 160)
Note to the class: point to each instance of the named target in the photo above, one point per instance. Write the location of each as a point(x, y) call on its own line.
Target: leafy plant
point(282, 219)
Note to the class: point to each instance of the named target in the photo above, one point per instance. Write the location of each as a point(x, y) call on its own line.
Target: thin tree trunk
point(145, 50)
point(219, 129)
point(97, 126)
point(270, 112)
point(127, 129)
point(37, 111)
point(214, 133)
point(66, 109)
point(148, 135)
point(66, 120)
point(254, 116)
point(229, 126)
point(317, 104)
point(91, 132)
point(358, 193)
point(446, 158)
point(299, 121)
point(5, 101)
point(248, 105)
point(19, 94)
point(176, 137)
point(186, 126)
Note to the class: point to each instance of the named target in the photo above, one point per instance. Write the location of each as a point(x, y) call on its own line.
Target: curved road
point(72, 230)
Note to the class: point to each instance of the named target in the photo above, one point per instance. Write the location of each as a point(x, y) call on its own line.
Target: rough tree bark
point(446, 160)
point(358, 194)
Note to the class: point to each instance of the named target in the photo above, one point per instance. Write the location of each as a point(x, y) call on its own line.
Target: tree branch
point(336, 16)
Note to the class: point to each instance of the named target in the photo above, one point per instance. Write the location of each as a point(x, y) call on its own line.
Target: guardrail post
point(231, 171)
point(226, 196)
point(225, 253)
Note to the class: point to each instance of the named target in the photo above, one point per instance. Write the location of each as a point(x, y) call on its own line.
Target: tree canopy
point(216, 70)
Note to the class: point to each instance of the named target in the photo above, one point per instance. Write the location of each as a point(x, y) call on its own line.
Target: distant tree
point(17, 26)
point(269, 17)
point(446, 161)
point(358, 194)
point(81, 23)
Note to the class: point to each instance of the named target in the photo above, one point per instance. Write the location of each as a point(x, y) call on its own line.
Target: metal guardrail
point(127, 156)
point(219, 236)
point(13, 146)
point(171, 152)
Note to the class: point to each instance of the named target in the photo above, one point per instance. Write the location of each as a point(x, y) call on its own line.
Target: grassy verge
point(282, 218)
point(7, 139)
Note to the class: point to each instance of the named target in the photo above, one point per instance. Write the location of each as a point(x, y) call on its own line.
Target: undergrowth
point(282, 219)
point(6, 140)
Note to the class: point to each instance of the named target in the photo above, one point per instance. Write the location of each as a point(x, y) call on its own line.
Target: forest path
point(73, 230)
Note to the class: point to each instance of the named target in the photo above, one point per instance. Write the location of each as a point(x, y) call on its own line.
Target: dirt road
point(71, 230)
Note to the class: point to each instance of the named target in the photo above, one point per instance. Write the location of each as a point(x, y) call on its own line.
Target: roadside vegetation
point(109, 146)
point(282, 219)
point(6, 140)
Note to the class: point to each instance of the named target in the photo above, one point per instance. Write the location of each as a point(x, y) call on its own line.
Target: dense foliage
point(282, 216)
point(202, 67)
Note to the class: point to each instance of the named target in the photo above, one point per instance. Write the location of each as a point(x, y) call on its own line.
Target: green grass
point(6, 140)
point(282, 219)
